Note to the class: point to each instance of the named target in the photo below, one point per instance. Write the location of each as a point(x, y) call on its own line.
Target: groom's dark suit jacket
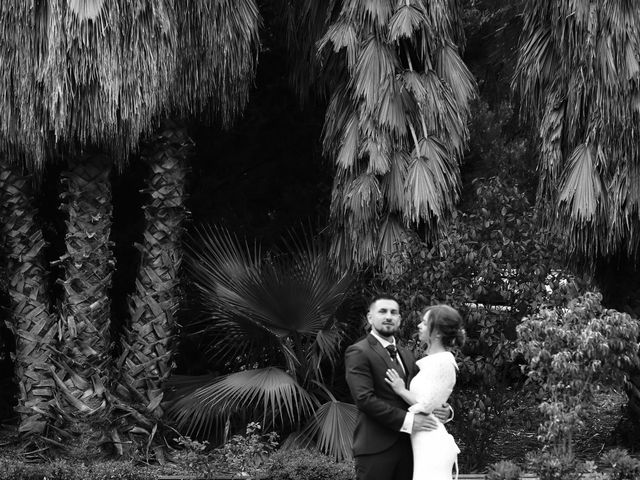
point(381, 411)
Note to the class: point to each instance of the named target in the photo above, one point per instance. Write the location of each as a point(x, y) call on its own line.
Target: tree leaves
point(270, 391)
point(97, 73)
point(581, 187)
point(273, 316)
point(393, 99)
point(404, 22)
point(578, 75)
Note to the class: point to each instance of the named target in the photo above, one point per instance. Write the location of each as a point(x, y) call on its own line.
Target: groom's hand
point(423, 423)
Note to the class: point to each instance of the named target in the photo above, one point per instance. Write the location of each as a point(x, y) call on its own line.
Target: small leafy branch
point(571, 354)
point(245, 454)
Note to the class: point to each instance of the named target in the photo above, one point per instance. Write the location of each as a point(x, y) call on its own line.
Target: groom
point(381, 442)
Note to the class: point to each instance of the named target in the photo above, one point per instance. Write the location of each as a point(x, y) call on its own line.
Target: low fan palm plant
point(272, 320)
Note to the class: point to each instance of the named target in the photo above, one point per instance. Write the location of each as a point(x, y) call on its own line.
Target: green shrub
point(17, 469)
point(571, 354)
point(503, 470)
point(307, 465)
point(246, 454)
point(589, 471)
point(623, 466)
point(551, 466)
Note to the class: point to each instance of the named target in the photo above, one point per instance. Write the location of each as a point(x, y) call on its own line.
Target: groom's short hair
point(382, 296)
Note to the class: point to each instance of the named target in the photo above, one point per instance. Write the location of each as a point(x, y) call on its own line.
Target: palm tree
point(71, 85)
point(218, 43)
point(578, 75)
point(271, 320)
point(396, 125)
point(88, 79)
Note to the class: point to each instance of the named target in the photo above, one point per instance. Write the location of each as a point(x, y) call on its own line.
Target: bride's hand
point(394, 380)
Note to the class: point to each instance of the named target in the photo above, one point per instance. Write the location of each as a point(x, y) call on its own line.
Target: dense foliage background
point(497, 257)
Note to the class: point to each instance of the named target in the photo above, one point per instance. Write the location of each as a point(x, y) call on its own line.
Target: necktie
point(393, 353)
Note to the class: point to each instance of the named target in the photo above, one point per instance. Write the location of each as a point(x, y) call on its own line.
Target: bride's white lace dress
point(434, 452)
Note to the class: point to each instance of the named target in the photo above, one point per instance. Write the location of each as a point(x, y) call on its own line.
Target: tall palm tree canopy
point(95, 73)
point(578, 74)
point(396, 122)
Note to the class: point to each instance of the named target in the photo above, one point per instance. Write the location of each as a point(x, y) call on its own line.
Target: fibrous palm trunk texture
point(33, 327)
point(146, 359)
point(88, 262)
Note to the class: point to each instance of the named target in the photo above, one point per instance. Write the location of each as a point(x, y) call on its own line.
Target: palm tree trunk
point(88, 262)
point(146, 360)
point(34, 328)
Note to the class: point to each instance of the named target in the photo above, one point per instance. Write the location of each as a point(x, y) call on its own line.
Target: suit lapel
point(405, 357)
point(382, 353)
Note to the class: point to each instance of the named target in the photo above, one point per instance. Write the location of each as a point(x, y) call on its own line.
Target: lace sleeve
point(434, 383)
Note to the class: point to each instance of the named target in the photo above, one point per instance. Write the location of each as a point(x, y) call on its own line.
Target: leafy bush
point(504, 470)
point(17, 469)
point(551, 466)
point(247, 454)
point(192, 454)
point(623, 466)
point(590, 471)
point(571, 353)
point(307, 465)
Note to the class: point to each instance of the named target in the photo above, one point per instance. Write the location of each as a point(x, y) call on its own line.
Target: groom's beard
point(387, 331)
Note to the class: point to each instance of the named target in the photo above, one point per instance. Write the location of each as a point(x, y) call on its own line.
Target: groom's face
point(384, 317)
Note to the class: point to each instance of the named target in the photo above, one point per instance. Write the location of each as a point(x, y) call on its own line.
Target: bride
point(434, 452)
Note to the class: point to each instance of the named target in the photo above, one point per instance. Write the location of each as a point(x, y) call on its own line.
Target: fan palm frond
point(375, 13)
point(578, 74)
point(408, 83)
point(270, 393)
point(404, 22)
point(395, 108)
point(431, 182)
point(361, 200)
point(581, 188)
point(375, 66)
point(393, 183)
point(330, 430)
point(267, 308)
point(456, 75)
point(325, 348)
point(86, 9)
point(341, 34)
point(348, 153)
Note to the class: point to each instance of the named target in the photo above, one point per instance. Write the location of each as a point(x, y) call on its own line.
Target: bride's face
point(423, 329)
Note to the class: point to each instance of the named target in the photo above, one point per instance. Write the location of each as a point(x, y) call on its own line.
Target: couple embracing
point(402, 403)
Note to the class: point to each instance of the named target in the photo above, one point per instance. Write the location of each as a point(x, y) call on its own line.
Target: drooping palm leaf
point(581, 187)
point(330, 430)
point(404, 22)
point(578, 75)
point(218, 44)
point(403, 82)
point(268, 394)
